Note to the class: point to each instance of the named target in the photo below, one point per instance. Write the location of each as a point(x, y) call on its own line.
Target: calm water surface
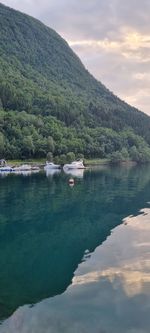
point(75, 259)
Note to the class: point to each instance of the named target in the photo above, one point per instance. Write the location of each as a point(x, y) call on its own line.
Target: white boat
point(74, 165)
point(6, 168)
point(51, 165)
point(35, 168)
point(23, 167)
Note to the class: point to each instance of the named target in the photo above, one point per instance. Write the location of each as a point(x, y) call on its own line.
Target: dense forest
point(49, 102)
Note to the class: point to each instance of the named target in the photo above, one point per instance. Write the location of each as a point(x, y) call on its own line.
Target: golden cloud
point(128, 46)
point(131, 272)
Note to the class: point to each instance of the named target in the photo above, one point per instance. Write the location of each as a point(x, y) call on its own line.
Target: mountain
point(50, 102)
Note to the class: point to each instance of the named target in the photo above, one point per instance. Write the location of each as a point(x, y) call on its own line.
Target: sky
point(111, 37)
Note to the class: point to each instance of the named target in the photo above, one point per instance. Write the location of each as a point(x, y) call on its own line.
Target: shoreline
point(88, 162)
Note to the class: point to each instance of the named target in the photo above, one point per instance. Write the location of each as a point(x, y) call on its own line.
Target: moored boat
point(74, 165)
point(23, 167)
point(51, 165)
point(35, 168)
point(6, 168)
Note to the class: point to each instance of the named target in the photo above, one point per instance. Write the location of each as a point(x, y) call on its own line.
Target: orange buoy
point(71, 181)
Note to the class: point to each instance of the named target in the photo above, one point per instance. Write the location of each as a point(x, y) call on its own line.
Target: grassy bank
point(96, 161)
point(87, 162)
point(39, 161)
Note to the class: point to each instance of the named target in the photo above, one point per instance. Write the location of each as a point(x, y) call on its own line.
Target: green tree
point(50, 144)
point(116, 157)
point(62, 159)
point(49, 157)
point(70, 157)
point(134, 154)
point(80, 156)
point(2, 145)
point(28, 146)
point(124, 153)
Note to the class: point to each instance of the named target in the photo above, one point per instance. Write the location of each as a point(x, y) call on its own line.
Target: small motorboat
point(6, 168)
point(23, 167)
point(35, 168)
point(51, 165)
point(74, 165)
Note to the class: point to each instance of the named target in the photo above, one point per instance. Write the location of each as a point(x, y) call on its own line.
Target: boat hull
point(51, 167)
point(74, 165)
point(6, 169)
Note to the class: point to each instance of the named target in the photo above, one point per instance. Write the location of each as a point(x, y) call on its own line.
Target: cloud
point(122, 65)
point(111, 37)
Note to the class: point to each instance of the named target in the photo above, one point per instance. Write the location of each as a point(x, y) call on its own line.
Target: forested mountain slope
point(50, 102)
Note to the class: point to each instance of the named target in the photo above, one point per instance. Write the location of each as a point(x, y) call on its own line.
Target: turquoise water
point(75, 259)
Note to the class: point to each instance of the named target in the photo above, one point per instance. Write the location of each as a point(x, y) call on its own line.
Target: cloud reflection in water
point(110, 292)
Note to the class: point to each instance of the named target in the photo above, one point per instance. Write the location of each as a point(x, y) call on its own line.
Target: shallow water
point(75, 259)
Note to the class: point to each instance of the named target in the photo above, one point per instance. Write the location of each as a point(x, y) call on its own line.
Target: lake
point(75, 259)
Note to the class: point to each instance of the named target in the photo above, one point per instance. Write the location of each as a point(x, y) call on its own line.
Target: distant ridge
point(50, 102)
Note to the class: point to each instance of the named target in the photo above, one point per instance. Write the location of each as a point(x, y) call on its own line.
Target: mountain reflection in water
point(110, 292)
point(45, 240)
